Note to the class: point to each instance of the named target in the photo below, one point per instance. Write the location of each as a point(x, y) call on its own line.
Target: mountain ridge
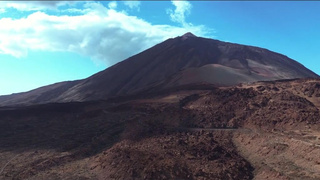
point(177, 61)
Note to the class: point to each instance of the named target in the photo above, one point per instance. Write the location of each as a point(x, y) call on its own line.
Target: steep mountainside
point(178, 61)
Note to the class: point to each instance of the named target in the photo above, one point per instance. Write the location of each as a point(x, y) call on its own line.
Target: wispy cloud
point(133, 4)
point(2, 10)
point(112, 4)
point(34, 5)
point(96, 31)
point(182, 9)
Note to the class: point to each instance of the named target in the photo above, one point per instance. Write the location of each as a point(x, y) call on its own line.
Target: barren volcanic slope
point(184, 118)
point(265, 130)
point(179, 61)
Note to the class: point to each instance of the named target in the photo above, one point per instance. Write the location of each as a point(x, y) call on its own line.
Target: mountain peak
point(183, 61)
point(187, 35)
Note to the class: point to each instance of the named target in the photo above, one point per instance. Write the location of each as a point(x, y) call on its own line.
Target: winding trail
point(212, 129)
point(2, 169)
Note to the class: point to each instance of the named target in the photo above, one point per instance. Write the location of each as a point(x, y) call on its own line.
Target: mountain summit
point(187, 35)
point(180, 61)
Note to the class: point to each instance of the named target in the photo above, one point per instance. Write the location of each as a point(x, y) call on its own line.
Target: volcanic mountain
point(183, 117)
point(180, 61)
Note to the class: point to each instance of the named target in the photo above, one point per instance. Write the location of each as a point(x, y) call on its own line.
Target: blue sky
point(44, 42)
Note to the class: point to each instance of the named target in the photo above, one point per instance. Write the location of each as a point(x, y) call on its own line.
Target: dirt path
point(276, 156)
point(213, 129)
point(2, 169)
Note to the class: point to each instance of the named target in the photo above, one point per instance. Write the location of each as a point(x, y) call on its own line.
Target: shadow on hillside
point(84, 129)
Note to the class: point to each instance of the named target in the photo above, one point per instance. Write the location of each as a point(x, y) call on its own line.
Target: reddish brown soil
point(264, 130)
point(187, 155)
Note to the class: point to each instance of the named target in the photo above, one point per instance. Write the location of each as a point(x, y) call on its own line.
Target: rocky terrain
point(187, 108)
point(262, 130)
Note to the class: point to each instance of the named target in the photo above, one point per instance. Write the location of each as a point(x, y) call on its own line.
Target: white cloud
point(2, 10)
point(112, 5)
point(98, 32)
point(182, 8)
point(34, 5)
point(133, 4)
